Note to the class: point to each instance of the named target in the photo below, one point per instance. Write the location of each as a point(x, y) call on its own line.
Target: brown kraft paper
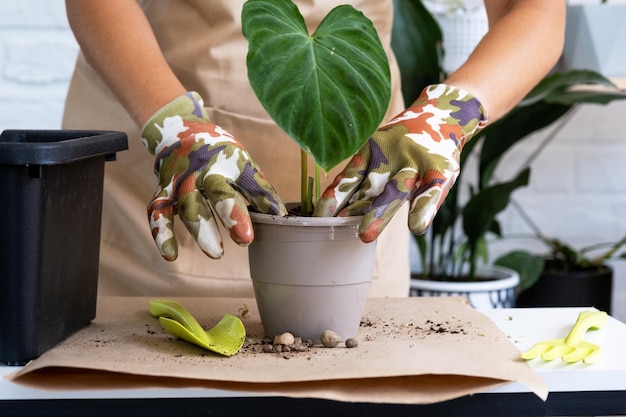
point(416, 350)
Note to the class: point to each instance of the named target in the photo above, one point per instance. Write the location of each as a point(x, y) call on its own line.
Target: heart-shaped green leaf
point(328, 91)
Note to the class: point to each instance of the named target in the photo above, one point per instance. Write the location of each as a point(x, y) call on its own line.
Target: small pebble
point(268, 348)
point(329, 339)
point(351, 343)
point(284, 339)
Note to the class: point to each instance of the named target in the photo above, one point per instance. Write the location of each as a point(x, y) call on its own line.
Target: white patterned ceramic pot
point(498, 291)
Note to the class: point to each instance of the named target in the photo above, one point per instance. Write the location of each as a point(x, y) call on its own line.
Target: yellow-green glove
point(203, 171)
point(414, 157)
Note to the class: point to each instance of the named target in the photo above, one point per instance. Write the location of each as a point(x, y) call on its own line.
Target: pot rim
point(305, 221)
point(504, 278)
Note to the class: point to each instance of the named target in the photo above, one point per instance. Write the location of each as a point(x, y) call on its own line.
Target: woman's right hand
point(203, 171)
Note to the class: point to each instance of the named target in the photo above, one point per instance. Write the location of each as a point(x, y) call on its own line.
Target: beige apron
point(203, 44)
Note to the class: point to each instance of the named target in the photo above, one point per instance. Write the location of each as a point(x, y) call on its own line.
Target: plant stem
point(607, 255)
point(305, 196)
point(307, 184)
point(318, 187)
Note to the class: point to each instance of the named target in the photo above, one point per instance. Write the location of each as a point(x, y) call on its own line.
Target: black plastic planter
point(588, 288)
point(51, 187)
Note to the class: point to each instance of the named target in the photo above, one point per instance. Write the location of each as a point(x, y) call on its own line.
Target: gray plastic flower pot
point(310, 274)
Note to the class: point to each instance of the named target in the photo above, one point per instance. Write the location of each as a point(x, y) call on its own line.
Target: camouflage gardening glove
point(413, 157)
point(202, 170)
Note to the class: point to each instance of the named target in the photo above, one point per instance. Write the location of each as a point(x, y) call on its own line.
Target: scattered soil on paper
point(374, 329)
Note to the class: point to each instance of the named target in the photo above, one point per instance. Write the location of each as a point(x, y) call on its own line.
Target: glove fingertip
point(269, 204)
point(338, 194)
point(377, 218)
point(419, 222)
point(280, 208)
point(160, 217)
point(234, 215)
point(325, 208)
point(242, 233)
point(371, 228)
point(169, 250)
point(207, 236)
point(212, 253)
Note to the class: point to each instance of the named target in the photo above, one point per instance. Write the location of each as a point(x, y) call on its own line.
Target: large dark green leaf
point(548, 102)
point(527, 265)
point(328, 91)
point(572, 97)
point(558, 82)
point(416, 42)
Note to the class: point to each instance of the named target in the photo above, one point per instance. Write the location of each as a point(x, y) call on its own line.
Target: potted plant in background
point(549, 101)
point(453, 253)
point(564, 276)
point(445, 262)
point(329, 92)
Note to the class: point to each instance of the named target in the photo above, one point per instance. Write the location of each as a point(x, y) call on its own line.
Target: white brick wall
point(577, 190)
point(37, 54)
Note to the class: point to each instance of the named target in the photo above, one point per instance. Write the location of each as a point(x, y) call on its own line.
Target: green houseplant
point(455, 246)
point(564, 276)
point(329, 92)
point(444, 254)
point(451, 252)
point(420, 57)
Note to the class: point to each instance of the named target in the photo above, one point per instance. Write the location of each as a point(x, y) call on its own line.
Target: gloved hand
point(413, 157)
point(202, 170)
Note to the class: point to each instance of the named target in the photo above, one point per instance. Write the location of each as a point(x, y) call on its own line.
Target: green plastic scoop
point(226, 337)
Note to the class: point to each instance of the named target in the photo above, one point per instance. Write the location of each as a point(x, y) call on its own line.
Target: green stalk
point(306, 186)
point(309, 200)
point(318, 187)
point(303, 175)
